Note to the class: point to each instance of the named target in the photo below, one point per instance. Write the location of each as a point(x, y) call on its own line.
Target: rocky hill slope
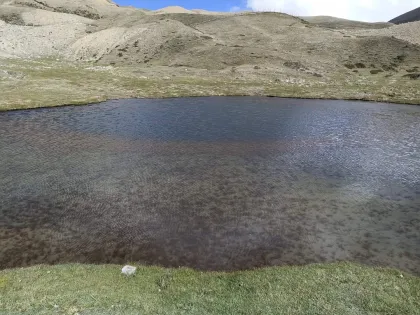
point(245, 46)
point(411, 16)
point(101, 32)
point(93, 9)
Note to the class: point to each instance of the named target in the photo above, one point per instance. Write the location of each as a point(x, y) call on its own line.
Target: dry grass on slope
point(337, 23)
point(409, 32)
point(43, 83)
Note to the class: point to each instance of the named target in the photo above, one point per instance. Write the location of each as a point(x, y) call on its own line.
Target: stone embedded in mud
point(413, 76)
point(128, 270)
point(376, 71)
point(296, 65)
point(360, 65)
point(6, 74)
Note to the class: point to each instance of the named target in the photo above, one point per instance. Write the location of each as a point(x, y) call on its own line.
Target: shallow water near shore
point(211, 183)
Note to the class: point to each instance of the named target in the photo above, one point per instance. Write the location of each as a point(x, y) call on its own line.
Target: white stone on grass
point(129, 270)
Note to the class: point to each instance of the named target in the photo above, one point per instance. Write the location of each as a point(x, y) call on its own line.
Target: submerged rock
point(413, 76)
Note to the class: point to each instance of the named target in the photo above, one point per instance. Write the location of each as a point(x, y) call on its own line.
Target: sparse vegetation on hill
point(337, 23)
point(236, 54)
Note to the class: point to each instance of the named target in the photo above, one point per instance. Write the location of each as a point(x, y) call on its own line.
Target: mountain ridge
point(411, 16)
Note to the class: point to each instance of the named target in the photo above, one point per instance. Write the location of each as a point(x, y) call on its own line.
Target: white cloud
point(362, 10)
point(235, 9)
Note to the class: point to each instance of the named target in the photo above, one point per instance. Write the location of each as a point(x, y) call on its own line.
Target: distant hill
point(92, 9)
point(99, 31)
point(338, 23)
point(411, 16)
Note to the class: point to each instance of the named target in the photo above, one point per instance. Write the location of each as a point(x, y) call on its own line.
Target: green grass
point(337, 289)
point(46, 82)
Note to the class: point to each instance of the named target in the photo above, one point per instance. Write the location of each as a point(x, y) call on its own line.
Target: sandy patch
point(30, 42)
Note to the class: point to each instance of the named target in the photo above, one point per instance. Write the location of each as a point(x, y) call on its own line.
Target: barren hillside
point(337, 23)
point(247, 45)
point(93, 9)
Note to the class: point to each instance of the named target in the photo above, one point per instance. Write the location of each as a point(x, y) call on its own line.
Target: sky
point(362, 10)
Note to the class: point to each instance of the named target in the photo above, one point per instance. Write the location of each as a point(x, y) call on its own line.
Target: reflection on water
point(211, 183)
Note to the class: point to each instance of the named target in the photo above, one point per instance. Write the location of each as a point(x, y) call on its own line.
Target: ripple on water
point(213, 183)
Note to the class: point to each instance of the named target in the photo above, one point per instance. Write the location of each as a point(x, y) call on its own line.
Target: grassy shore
point(316, 289)
point(45, 83)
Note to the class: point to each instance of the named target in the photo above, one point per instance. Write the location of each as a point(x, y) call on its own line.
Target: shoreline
point(328, 289)
point(31, 84)
point(100, 101)
point(340, 264)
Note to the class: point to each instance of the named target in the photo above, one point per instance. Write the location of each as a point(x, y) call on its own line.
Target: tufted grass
point(340, 288)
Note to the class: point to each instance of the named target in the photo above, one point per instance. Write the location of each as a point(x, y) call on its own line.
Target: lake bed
point(218, 183)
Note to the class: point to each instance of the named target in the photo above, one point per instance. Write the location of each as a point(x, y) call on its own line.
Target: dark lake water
point(211, 183)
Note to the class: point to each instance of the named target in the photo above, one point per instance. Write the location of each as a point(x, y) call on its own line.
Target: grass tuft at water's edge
point(340, 288)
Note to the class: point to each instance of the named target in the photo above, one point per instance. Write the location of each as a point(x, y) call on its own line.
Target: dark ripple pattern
point(211, 183)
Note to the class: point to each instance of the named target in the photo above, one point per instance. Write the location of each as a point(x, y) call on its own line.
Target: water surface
point(211, 183)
